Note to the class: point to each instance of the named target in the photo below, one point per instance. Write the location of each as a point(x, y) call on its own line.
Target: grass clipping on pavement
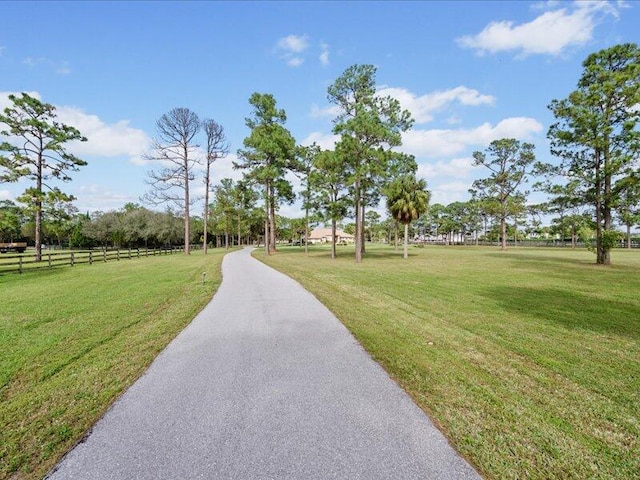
point(528, 359)
point(73, 339)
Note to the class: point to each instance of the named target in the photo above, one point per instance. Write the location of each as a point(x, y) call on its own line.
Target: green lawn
point(528, 359)
point(72, 339)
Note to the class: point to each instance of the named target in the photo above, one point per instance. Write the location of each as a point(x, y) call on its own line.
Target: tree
point(369, 126)
point(105, 228)
point(268, 155)
point(217, 147)
point(244, 200)
point(224, 207)
point(10, 221)
point(77, 238)
point(372, 222)
point(407, 199)
point(329, 184)
point(57, 213)
point(38, 152)
point(304, 170)
point(174, 149)
point(628, 206)
point(510, 163)
point(596, 135)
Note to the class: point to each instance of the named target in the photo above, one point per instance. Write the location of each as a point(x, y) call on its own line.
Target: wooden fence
point(26, 263)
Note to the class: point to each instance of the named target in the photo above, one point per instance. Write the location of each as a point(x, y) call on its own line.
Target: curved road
point(265, 383)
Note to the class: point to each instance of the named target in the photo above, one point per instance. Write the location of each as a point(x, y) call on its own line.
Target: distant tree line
point(592, 188)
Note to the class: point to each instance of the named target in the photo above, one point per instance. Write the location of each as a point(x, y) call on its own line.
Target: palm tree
point(407, 199)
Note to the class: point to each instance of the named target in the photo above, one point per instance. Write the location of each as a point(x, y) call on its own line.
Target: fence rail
point(26, 263)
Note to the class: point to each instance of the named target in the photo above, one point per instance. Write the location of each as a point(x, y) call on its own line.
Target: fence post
point(129, 253)
point(118, 254)
point(90, 258)
point(20, 267)
point(138, 251)
point(49, 259)
point(72, 259)
point(104, 254)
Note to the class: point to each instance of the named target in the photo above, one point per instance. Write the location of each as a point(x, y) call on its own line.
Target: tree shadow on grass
point(372, 253)
point(570, 257)
point(571, 309)
point(545, 259)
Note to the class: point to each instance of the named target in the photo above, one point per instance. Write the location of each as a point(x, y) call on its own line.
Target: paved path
point(265, 383)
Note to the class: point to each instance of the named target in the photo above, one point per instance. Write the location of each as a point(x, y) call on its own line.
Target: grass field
point(528, 360)
point(72, 339)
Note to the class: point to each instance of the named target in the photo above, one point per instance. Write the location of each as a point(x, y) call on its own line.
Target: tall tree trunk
point(187, 232)
point(306, 218)
point(358, 232)
point(600, 256)
point(395, 235)
point(629, 236)
point(333, 238)
point(503, 231)
point(266, 219)
point(272, 229)
point(38, 232)
point(406, 241)
point(205, 240)
point(607, 201)
point(362, 231)
point(239, 230)
point(206, 207)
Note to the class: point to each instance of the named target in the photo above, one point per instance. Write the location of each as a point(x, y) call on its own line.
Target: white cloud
point(103, 139)
point(422, 107)
point(545, 5)
point(291, 47)
point(446, 193)
point(96, 197)
point(330, 111)
point(223, 168)
point(2, 49)
point(5, 102)
point(295, 61)
point(443, 143)
point(551, 33)
point(456, 168)
point(324, 55)
point(294, 43)
point(60, 67)
point(5, 195)
point(63, 69)
point(323, 140)
point(291, 211)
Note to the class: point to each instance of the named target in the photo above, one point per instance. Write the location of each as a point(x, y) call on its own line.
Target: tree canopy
point(369, 127)
point(407, 199)
point(596, 135)
point(268, 154)
point(40, 153)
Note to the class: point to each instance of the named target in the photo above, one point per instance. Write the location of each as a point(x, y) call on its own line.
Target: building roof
point(326, 232)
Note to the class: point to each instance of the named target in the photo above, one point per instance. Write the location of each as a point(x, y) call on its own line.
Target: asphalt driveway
point(265, 383)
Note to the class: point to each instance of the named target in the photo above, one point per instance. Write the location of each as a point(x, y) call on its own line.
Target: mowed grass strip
point(73, 339)
point(528, 359)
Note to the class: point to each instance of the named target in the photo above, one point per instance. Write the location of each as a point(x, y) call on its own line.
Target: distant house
point(323, 235)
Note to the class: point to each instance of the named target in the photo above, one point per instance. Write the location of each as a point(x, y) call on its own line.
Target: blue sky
point(470, 72)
